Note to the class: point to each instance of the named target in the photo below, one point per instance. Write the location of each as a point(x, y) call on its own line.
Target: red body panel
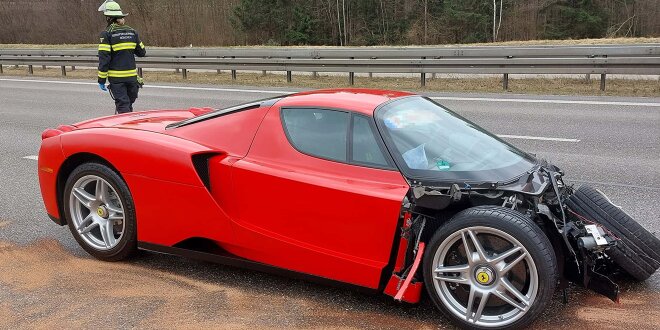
point(51, 158)
point(264, 200)
point(169, 212)
point(313, 215)
point(412, 294)
point(155, 120)
point(157, 156)
point(231, 133)
point(172, 203)
point(363, 101)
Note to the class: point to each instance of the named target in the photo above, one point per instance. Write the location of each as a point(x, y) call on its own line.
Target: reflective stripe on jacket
point(118, 46)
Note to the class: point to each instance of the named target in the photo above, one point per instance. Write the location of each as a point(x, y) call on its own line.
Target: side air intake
point(201, 163)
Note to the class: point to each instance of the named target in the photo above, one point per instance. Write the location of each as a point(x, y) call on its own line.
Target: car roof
point(355, 99)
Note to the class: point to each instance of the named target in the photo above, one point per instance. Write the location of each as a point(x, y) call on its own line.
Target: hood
point(155, 120)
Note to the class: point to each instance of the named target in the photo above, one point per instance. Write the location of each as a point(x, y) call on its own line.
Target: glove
point(102, 87)
point(140, 82)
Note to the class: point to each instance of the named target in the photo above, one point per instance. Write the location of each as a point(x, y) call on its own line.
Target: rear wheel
point(100, 212)
point(490, 268)
point(637, 251)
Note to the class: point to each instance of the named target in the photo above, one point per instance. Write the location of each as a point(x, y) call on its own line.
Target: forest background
point(174, 23)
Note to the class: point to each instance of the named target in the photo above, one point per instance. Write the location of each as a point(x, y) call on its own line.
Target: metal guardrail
point(597, 59)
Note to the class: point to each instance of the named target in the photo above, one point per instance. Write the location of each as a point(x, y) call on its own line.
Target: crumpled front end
point(581, 245)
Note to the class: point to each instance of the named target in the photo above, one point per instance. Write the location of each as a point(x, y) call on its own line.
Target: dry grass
point(569, 42)
point(32, 46)
point(557, 86)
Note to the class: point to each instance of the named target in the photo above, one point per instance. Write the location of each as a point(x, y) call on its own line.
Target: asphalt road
point(47, 280)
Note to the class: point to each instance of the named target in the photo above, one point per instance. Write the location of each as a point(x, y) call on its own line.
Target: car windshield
point(430, 142)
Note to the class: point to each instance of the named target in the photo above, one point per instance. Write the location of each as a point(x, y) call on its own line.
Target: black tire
point(637, 251)
point(127, 243)
point(522, 229)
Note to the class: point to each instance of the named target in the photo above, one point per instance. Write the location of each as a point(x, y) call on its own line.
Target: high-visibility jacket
point(117, 50)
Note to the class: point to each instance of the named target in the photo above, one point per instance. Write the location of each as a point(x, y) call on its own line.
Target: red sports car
point(379, 190)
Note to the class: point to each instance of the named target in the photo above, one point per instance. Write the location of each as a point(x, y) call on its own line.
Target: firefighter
point(117, 50)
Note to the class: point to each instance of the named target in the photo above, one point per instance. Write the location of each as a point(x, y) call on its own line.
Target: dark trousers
point(125, 94)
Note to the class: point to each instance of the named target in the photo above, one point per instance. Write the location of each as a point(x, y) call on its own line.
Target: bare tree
point(496, 25)
point(341, 43)
point(343, 5)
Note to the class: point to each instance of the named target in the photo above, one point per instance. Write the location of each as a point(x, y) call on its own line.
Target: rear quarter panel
point(172, 203)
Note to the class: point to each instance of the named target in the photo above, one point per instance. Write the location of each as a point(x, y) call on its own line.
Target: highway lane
point(618, 151)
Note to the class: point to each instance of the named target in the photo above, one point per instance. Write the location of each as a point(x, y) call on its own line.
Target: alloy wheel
point(485, 276)
point(97, 212)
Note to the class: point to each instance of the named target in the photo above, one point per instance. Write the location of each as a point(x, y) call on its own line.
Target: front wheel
point(490, 268)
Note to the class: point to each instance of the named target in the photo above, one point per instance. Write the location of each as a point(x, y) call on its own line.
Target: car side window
point(316, 132)
point(365, 148)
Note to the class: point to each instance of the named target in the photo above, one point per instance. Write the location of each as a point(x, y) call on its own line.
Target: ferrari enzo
point(382, 191)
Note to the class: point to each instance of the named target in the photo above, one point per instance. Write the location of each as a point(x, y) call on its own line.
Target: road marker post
point(422, 76)
point(288, 73)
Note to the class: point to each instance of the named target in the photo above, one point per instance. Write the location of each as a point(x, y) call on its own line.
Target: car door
point(318, 194)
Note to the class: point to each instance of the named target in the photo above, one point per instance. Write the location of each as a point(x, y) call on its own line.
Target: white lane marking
point(450, 98)
point(486, 99)
point(523, 137)
point(32, 157)
point(160, 86)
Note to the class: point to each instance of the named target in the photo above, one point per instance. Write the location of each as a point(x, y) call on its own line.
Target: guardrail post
point(218, 70)
point(263, 73)
point(315, 74)
point(30, 68)
point(351, 76)
point(422, 76)
point(63, 71)
point(73, 68)
point(505, 82)
point(587, 77)
point(288, 73)
point(139, 72)
point(602, 82)
point(233, 72)
point(184, 72)
point(371, 75)
point(43, 67)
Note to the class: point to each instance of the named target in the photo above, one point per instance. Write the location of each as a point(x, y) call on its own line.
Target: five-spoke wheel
point(490, 267)
point(96, 212)
point(100, 211)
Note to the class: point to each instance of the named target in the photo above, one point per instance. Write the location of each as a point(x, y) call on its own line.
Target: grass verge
point(545, 86)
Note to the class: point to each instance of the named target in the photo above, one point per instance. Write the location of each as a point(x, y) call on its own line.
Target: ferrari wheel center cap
point(102, 212)
point(484, 275)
